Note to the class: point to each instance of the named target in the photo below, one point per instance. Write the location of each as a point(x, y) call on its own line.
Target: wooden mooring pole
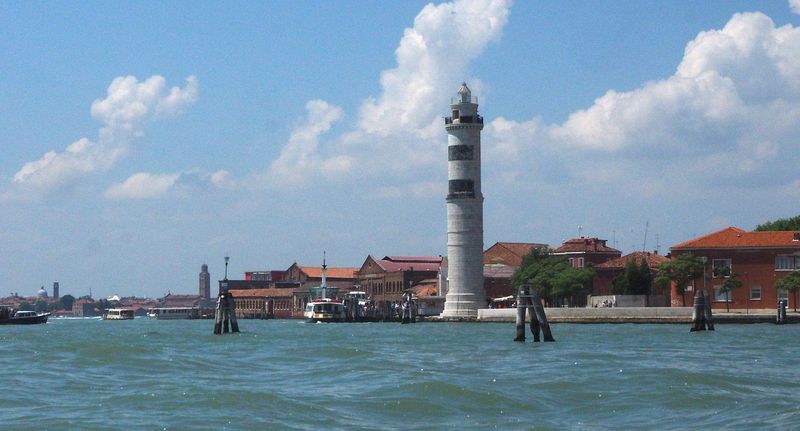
point(782, 303)
point(225, 313)
point(528, 297)
point(702, 318)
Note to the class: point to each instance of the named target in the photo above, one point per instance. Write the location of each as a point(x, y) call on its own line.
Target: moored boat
point(173, 313)
point(118, 314)
point(325, 310)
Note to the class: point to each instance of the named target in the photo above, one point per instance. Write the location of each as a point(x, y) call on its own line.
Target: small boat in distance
point(118, 314)
point(174, 313)
point(22, 317)
point(324, 304)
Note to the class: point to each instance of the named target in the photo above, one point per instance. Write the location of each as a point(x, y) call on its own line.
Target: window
point(459, 152)
point(721, 268)
point(755, 293)
point(580, 262)
point(455, 114)
point(461, 189)
point(720, 296)
point(787, 262)
point(571, 262)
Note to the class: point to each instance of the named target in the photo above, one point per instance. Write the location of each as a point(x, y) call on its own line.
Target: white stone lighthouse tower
point(465, 294)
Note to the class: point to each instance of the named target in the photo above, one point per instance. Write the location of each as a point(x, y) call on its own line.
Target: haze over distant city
point(140, 140)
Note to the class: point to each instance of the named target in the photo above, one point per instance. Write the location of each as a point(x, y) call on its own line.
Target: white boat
point(173, 313)
point(325, 310)
point(118, 314)
point(325, 306)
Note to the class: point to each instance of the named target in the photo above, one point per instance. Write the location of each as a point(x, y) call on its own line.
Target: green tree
point(792, 284)
point(634, 280)
point(25, 306)
point(680, 270)
point(780, 224)
point(730, 284)
point(555, 278)
point(66, 302)
point(41, 306)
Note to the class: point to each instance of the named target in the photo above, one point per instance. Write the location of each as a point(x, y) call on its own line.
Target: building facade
point(606, 272)
point(759, 260)
point(586, 252)
point(465, 292)
point(385, 280)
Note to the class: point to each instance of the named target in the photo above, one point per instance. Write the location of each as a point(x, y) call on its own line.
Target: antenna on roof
point(580, 229)
point(644, 243)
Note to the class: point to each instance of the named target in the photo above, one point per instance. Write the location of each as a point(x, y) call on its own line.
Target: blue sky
point(142, 139)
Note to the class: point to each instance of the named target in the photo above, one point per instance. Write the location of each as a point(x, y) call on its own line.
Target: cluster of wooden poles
point(528, 298)
point(408, 310)
point(225, 314)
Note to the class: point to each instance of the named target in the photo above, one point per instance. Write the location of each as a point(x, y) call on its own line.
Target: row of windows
point(783, 262)
point(378, 288)
point(755, 294)
point(580, 262)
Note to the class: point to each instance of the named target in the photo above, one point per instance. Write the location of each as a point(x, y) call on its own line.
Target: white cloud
point(795, 6)
point(398, 130)
point(730, 111)
point(432, 57)
point(299, 159)
point(128, 105)
point(143, 186)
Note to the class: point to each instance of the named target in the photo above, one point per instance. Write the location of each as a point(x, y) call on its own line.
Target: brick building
point(606, 272)
point(510, 253)
point(385, 280)
point(759, 259)
point(586, 252)
point(499, 263)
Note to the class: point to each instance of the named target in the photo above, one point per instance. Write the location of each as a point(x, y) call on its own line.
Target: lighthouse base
point(457, 305)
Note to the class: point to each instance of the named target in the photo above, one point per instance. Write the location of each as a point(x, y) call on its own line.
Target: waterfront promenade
point(636, 315)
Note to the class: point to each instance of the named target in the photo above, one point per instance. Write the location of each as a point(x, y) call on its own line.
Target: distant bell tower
point(205, 282)
point(55, 290)
point(465, 293)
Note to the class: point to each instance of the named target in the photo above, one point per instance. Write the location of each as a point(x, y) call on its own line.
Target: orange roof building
point(758, 259)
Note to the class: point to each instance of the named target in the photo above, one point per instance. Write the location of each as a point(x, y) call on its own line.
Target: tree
point(66, 302)
point(731, 283)
point(552, 275)
point(41, 306)
point(791, 283)
point(780, 224)
point(25, 306)
point(680, 270)
point(634, 280)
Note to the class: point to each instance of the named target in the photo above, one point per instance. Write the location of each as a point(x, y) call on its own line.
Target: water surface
point(285, 374)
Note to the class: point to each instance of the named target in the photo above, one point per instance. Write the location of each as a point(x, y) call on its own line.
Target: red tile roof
point(653, 260)
point(410, 263)
point(316, 272)
point(429, 259)
point(585, 245)
point(733, 237)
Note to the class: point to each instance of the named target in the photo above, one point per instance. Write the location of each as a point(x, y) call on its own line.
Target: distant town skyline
point(141, 140)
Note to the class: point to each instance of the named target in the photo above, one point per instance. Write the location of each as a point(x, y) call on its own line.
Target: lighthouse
point(465, 294)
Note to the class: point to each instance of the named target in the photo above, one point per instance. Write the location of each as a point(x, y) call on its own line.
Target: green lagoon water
point(282, 374)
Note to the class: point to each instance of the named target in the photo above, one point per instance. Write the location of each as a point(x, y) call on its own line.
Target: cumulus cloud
point(300, 159)
point(128, 105)
point(399, 127)
point(431, 58)
point(730, 110)
point(795, 6)
point(142, 185)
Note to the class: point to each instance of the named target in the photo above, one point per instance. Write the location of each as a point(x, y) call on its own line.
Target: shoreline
point(665, 315)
